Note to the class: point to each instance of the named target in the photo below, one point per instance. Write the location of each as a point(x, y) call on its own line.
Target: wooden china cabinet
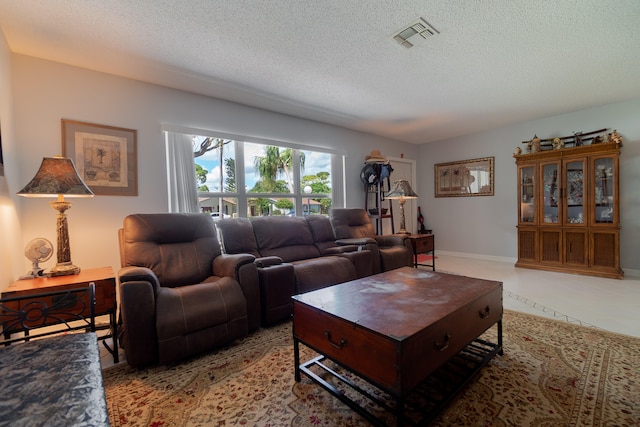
point(568, 210)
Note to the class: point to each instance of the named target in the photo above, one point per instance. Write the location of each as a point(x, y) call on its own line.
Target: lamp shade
point(56, 176)
point(401, 189)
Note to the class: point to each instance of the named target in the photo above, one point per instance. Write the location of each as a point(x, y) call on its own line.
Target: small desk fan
point(37, 250)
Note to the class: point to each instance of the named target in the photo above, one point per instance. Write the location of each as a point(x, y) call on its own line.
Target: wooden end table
point(105, 294)
point(423, 244)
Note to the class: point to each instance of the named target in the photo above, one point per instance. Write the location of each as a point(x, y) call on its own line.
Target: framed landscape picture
point(464, 178)
point(105, 156)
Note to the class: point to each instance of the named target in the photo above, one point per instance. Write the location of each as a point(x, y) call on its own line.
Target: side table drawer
point(105, 294)
point(425, 244)
point(45, 309)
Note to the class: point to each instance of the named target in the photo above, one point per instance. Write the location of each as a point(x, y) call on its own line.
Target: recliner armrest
point(228, 265)
point(139, 274)
point(268, 261)
point(138, 290)
point(337, 250)
point(356, 241)
point(241, 268)
point(391, 240)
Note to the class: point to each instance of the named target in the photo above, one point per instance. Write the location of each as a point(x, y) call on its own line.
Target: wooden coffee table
point(395, 330)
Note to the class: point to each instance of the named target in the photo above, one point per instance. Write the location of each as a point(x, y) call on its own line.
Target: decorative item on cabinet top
point(576, 140)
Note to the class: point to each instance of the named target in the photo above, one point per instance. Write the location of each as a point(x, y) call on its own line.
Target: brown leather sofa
point(179, 295)
point(352, 226)
point(293, 255)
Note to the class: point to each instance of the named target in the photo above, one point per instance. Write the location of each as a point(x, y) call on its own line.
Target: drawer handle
point(343, 341)
point(443, 346)
point(485, 313)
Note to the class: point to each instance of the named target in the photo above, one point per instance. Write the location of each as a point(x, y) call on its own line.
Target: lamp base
point(64, 269)
point(403, 232)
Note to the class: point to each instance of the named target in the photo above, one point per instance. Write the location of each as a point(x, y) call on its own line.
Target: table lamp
point(402, 190)
point(58, 177)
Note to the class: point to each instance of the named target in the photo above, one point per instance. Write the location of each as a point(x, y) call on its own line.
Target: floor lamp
point(58, 177)
point(402, 190)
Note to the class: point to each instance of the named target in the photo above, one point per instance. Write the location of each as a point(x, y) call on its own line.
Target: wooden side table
point(423, 244)
point(105, 288)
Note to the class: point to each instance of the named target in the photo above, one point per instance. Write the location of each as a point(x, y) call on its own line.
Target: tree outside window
point(269, 173)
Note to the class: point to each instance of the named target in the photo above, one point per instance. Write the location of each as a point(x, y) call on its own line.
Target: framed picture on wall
point(105, 156)
point(464, 178)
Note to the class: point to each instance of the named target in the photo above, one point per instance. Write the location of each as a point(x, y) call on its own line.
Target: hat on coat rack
point(375, 157)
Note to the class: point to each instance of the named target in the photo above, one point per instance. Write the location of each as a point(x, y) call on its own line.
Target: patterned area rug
point(552, 373)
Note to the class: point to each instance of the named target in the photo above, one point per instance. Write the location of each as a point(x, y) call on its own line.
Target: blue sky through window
point(314, 162)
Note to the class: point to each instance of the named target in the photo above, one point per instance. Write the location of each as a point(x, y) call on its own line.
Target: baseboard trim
point(477, 256)
point(628, 272)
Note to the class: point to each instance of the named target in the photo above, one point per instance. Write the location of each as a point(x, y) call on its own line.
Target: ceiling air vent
point(415, 33)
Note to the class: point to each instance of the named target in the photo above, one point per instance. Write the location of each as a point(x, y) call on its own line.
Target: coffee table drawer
point(423, 353)
point(360, 350)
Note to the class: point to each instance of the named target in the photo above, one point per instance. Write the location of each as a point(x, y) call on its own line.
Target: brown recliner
point(289, 259)
point(179, 295)
point(353, 226)
point(325, 241)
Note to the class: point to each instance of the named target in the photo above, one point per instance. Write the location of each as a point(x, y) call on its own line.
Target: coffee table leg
point(114, 335)
point(296, 359)
point(399, 412)
point(501, 351)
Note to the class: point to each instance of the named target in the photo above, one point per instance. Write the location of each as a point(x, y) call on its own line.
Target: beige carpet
point(552, 374)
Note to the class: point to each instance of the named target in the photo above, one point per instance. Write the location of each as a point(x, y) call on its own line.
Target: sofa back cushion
point(179, 248)
point(351, 223)
point(237, 236)
point(287, 237)
point(322, 232)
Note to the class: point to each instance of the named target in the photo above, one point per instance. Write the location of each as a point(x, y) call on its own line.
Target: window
point(236, 178)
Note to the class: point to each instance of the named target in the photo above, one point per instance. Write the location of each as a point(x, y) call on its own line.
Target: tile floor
point(609, 304)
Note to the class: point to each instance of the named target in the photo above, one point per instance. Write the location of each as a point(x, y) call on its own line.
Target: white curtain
point(183, 195)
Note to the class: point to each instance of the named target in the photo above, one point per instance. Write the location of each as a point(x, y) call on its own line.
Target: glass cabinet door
point(574, 178)
point(526, 179)
point(551, 193)
point(604, 190)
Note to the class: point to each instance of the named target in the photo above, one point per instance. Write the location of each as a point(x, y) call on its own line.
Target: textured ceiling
point(493, 63)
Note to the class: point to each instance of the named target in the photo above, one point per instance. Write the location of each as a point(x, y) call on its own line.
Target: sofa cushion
point(351, 223)
point(322, 232)
point(237, 236)
point(287, 237)
point(317, 273)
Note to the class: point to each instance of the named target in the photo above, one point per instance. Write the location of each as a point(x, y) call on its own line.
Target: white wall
point(45, 92)
point(487, 225)
point(10, 237)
